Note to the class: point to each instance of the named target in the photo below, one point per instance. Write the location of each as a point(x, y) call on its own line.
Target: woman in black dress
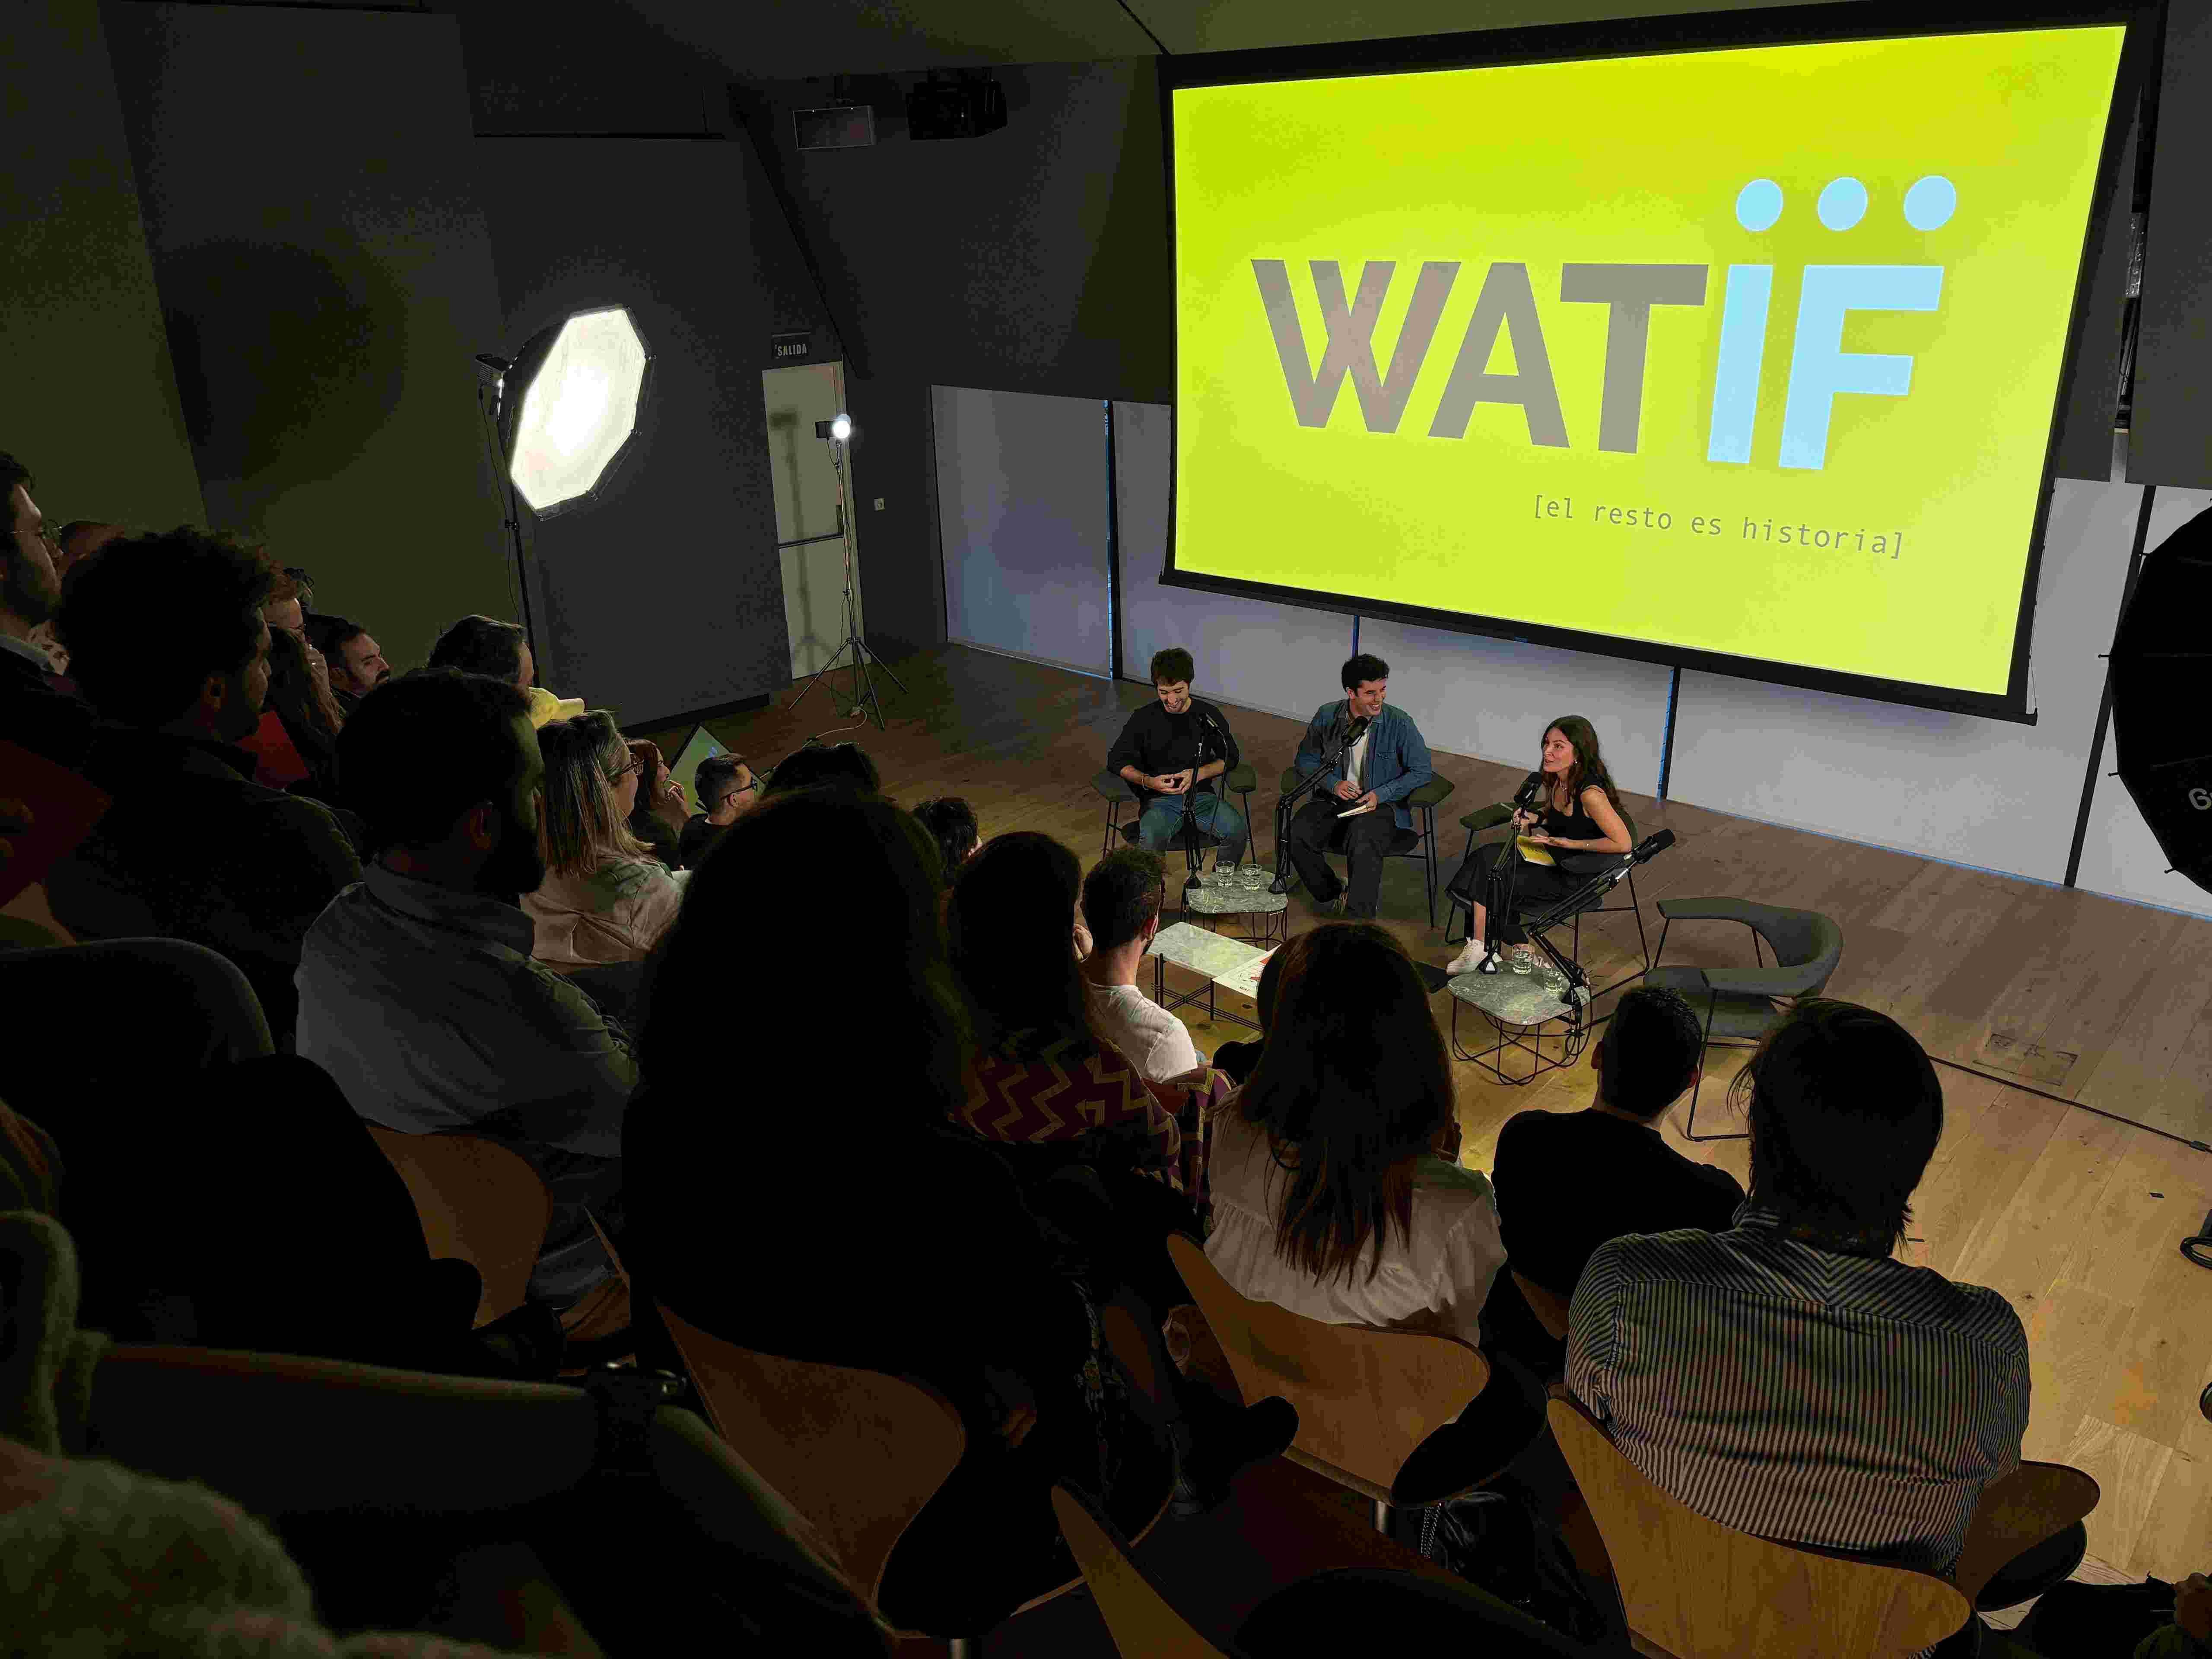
point(1576, 815)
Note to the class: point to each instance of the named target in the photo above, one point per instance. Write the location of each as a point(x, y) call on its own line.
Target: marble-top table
point(1226, 962)
point(1216, 897)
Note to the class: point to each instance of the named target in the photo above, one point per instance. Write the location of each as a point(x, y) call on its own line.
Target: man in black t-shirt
point(1567, 1182)
point(1157, 755)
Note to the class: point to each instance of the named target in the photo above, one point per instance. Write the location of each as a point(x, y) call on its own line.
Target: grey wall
point(1034, 258)
point(2171, 436)
point(663, 594)
point(1022, 500)
point(305, 180)
point(94, 410)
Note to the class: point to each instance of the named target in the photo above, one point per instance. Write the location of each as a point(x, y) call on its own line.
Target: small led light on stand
point(836, 432)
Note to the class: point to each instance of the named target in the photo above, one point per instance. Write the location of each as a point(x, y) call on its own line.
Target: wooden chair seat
point(1365, 1398)
point(1551, 1310)
point(480, 1202)
point(1690, 1586)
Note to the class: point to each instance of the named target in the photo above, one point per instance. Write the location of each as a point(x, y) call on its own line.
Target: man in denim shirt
point(1386, 763)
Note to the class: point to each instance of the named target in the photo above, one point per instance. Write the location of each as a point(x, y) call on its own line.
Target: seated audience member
point(485, 645)
point(1567, 1182)
point(417, 990)
point(604, 898)
point(1041, 1070)
point(1789, 1377)
point(728, 790)
point(307, 719)
point(819, 765)
point(80, 539)
point(1237, 1058)
point(658, 812)
point(951, 824)
point(36, 708)
point(170, 646)
point(355, 660)
point(161, 1146)
point(1122, 906)
point(963, 1290)
point(1336, 1191)
point(1003, 1342)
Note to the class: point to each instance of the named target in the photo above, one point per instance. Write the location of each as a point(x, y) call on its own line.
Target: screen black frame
point(1657, 37)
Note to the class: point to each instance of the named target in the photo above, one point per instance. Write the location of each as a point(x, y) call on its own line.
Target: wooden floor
point(2075, 1217)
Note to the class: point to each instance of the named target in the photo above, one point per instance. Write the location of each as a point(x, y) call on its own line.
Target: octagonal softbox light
point(581, 381)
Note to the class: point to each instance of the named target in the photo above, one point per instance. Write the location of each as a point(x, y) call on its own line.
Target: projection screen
point(1742, 357)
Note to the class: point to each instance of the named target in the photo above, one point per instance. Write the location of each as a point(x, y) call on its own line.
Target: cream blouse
point(617, 912)
point(1436, 1279)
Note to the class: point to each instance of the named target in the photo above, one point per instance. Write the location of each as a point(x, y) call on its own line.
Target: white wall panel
point(2118, 856)
point(1492, 698)
point(1021, 491)
point(1273, 657)
point(1987, 794)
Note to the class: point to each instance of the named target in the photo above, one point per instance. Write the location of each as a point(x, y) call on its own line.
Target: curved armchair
point(1739, 1002)
point(1240, 779)
point(1501, 812)
point(1424, 801)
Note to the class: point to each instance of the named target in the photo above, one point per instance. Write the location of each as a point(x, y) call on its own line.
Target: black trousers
point(1480, 881)
point(1365, 842)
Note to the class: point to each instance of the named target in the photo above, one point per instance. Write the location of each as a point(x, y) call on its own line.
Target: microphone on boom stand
point(1344, 736)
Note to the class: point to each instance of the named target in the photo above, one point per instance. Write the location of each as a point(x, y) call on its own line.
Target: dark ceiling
point(792, 40)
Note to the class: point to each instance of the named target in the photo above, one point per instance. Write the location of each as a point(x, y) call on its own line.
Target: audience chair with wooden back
point(1690, 1586)
point(479, 1201)
point(857, 1453)
point(1738, 1003)
point(647, 1520)
point(1365, 1398)
point(2026, 1536)
point(1418, 1610)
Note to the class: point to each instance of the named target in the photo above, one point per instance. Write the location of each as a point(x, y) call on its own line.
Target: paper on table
point(1353, 813)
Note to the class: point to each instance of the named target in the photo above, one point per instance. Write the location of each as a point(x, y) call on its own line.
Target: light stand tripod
point(862, 656)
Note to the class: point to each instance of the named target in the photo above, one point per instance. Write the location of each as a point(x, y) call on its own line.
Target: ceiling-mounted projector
point(962, 107)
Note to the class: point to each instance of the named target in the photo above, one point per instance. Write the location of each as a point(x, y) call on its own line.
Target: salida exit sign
point(791, 347)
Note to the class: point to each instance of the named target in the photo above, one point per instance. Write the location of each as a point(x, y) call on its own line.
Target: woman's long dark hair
point(799, 1068)
point(309, 712)
point(1011, 924)
point(1589, 766)
point(1352, 1088)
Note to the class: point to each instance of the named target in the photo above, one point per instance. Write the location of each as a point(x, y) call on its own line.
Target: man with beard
point(417, 990)
point(356, 661)
point(36, 710)
point(168, 641)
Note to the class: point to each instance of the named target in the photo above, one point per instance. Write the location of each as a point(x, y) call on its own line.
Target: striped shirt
point(1802, 1395)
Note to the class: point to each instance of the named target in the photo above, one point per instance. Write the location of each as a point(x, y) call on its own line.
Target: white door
point(811, 537)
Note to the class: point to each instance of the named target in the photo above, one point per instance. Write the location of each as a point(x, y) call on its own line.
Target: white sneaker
point(1465, 961)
